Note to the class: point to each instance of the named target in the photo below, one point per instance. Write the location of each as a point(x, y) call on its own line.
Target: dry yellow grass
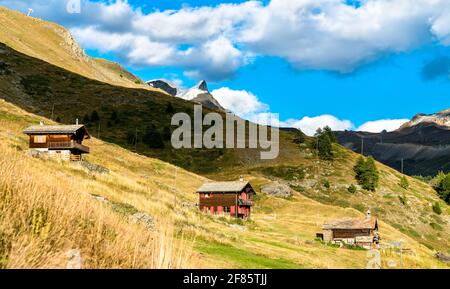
point(43, 215)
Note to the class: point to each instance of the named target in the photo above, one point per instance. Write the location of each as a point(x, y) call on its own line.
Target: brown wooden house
point(227, 198)
point(358, 232)
point(59, 141)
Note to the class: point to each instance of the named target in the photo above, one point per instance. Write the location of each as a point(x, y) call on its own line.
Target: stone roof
point(223, 186)
point(366, 223)
point(55, 129)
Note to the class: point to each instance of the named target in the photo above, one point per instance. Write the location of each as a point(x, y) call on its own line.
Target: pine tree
point(299, 137)
point(169, 108)
point(325, 147)
point(114, 117)
point(167, 134)
point(441, 184)
point(328, 131)
point(86, 119)
point(367, 173)
point(94, 116)
point(153, 138)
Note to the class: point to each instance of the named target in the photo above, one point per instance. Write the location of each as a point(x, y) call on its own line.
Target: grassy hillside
point(48, 207)
point(409, 210)
point(54, 44)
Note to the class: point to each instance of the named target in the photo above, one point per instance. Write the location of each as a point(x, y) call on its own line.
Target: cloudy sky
point(367, 64)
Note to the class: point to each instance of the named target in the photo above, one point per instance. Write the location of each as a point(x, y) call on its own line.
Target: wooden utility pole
point(53, 109)
point(98, 130)
point(135, 140)
point(362, 146)
point(402, 166)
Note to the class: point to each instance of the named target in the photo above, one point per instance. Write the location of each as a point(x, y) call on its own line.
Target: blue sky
point(342, 63)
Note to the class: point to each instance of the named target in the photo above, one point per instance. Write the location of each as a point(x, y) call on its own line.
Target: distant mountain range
point(198, 93)
point(422, 143)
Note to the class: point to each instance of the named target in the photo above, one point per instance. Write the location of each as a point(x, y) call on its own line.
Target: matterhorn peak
point(202, 85)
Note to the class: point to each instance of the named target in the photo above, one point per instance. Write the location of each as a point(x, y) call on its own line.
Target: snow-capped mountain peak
point(198, 93)
point(441, 118)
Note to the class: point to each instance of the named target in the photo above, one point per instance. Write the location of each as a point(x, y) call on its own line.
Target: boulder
point(144, 219)
point(277, 189)
point(442, 257)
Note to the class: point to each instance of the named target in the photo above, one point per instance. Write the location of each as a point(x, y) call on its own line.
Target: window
point(207, 196)
point(40, 139)
point(226, 209)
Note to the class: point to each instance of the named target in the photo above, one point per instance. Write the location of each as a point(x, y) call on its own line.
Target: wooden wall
point(218, 199)
point(351, 233)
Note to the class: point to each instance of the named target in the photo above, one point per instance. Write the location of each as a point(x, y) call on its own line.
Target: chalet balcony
point(68, 145)
point(243, 202)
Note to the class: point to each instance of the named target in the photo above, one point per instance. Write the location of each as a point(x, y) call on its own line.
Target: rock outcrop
point(277, 189)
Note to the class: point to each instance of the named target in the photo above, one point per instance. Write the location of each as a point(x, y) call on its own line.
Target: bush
point(299, 137)
point(404, 183)
point(352, 189)
point(437, 208)
point(367, 173)
point(402, 200)
point(326, 184)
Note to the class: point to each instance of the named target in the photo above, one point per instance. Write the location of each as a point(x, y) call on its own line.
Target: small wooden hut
point(358, 232)
point(58, 141)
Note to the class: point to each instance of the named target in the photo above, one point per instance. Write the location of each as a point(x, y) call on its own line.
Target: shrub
point(437, 208)
point(326, 184)
point(404, 183)
point(402, 200)
point(352, 189)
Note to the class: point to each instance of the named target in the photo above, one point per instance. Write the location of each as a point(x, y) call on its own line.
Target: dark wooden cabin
point(226, 198)
point(359, 232)
point(59, 141)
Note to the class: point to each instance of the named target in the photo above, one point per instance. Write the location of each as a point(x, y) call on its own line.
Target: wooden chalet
point(226, 198)
point(58, 141)
point(359, 232)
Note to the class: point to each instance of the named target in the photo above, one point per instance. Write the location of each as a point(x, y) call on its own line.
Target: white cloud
point(213, 42)
point(383, 124)
point(247, 105)
point(309, 125)
point(241, 102)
